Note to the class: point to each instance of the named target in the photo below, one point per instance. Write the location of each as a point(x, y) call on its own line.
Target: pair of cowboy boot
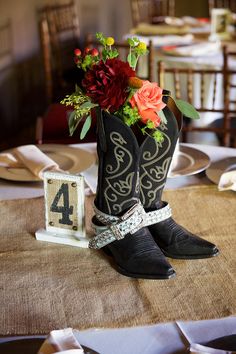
point(132, 224)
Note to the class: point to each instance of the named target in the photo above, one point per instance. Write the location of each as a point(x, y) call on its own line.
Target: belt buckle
point(142, 215)
point(131, 211)
point(116, 232)
point(136, 208)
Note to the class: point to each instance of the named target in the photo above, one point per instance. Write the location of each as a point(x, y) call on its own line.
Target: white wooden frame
point(220, 21)
point(64, 210)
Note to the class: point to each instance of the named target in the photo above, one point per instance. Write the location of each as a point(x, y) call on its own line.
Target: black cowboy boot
point(119, 215)
point(173, 239)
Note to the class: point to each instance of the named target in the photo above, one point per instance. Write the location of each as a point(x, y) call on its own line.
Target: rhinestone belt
point(116, 228)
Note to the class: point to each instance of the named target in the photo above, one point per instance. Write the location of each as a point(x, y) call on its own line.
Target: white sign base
point(44, 235)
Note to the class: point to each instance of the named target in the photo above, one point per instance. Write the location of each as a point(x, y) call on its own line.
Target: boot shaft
point(128, 172)
point(156, 157)
point(118, 170)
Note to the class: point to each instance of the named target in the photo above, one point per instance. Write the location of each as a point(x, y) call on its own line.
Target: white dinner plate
point(190, 161)
point(29, 346)
point(73, 160)
point(216, 169)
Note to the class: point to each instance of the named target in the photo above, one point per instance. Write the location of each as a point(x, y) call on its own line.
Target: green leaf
point(187, 109)
point(86, 126)
point(100, 37)
point(131, 42)
point(105, 54)
point(73, 122)
point(78, 89)
point(88, 104)
point(113, 53)
point(136, 39)
point(132, 60)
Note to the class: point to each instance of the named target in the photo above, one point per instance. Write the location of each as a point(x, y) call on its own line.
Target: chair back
point(6, 50)
point(59, 34)
point(145, 66)
point(230, 65)
point(230, 90)
point(147, 10)
point(202, 88)
point(223, 4)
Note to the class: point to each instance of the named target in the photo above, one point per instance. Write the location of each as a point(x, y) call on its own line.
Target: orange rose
point(148, 100)
point(149, 114)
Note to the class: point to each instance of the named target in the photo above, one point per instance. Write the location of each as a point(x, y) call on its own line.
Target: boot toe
point(151, 266)
point(138, 256)
point(177, 242)
point(194, 248)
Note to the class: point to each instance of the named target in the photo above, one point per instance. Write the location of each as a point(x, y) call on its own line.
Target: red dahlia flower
point(107, 83)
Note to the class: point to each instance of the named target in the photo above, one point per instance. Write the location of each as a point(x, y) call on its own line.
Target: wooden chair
point(6, 49)
point(231, 74)
point(172, 79)
point(145, 67)
point(230, 90)
point(59, 34)
point(147, 10)
point(227, 4)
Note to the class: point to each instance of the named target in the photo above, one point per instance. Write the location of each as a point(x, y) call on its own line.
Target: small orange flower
point(135, 82)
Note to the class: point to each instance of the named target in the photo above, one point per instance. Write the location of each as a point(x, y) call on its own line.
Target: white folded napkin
point(30, 157)
point(175, 158)
point(90, 177)
point(228, 180)
point(149, 29)
point(159, 41)
point(201, 349)
point(61, 341)
point(197, 49)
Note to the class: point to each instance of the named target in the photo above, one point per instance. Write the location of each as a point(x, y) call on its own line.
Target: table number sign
point(64, 210)
point(220, 24)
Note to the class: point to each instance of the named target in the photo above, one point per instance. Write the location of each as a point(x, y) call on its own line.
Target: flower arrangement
point(112, 85)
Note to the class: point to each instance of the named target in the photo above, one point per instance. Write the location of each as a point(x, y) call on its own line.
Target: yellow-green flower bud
point(110, 41)
point(142, 46)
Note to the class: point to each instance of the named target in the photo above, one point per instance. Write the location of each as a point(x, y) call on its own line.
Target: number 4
point(66, 210)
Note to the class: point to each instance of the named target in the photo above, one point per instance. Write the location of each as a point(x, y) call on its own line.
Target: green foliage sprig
point(88, 61)
point(107, 52)
point(137, 48)
point(82, 106)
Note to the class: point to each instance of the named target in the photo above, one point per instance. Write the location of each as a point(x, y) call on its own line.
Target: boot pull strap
point(101, 131)
point(172, 106)
point(178, 115)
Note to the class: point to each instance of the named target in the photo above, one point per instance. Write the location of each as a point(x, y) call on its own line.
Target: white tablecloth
point(165, 338)
point(14, 190)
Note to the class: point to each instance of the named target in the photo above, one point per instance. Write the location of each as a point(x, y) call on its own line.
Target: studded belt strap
point(153, 217)
point(116, 228)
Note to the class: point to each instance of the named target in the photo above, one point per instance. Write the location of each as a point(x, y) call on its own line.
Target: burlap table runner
point(44, 286)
